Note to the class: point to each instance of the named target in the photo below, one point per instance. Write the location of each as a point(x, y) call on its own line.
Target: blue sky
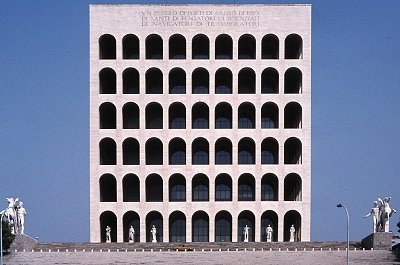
point(44, 113)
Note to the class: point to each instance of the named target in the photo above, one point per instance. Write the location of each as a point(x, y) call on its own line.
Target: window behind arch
point(107, 46)
point(130, 47)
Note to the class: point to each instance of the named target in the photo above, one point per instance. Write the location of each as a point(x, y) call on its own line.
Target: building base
point(378, 241)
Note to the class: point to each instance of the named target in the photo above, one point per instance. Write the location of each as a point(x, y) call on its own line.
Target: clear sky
point(44, 113)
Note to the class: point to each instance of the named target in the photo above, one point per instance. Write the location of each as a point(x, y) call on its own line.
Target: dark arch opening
point(177, 81)
point(200, 227)
point(269, 151)
point(154, 188)
point(246, 151)
point(292, 218)
point(223, 116)
point(246, 188)
point(154, 116)
point(154, 47)
point(177, 151)
point(247, 47)
point(223, 227)
point(108, 152)
point(154, 152)
point(223, 151)
point(293, 152)
point(293, 116)
point(200, 188)
point(269, 218)
point(223, 81)
point(177, 47)
point(200, 47)
point(270, 47)
point(108, 188)
point(223, 47)
point(269, 187)
point(293, 47)
point(130, 151)
point(200, 116)
point(154, 81)
point(223, 187)
point(200, 151)
point(130, 47)
point(200, 81)
point(246, 218)
point(108, 218)
point(130, 113)
point(246, 115)
point(177, 116)
point(154, 218)
point(108, 81)
point(269, 116)
point(247, 81)
point(292, 187)
point(107, 46)
point(293, 81)
point(131, 188)
point(130, 80)
point(270, 81)
point(177, 188)
point(131, 218)
point(177, 227)
point(108, 116)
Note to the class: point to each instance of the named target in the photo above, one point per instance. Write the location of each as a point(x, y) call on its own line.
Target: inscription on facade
point(205, 18)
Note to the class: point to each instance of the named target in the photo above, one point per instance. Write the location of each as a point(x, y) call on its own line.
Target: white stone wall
point(120, 20)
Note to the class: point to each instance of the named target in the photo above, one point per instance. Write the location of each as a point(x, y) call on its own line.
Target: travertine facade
point(200, 121)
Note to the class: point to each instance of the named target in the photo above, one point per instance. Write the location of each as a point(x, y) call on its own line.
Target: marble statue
point(292, 231)
point(246, 230)
point(21, 212)
point(269, 232)
point(108, 234)
point(375, 212)
point(153, 232)
point(385, 213)
point(131, 234)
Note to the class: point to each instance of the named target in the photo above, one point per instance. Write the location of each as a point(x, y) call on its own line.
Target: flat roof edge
point(94, 5)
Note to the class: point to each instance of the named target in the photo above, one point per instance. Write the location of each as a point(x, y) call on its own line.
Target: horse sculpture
point(385, 213)
point(9, 214)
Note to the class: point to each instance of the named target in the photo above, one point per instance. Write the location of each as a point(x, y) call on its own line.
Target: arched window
point(177, 47)
point(130, 47)
point(177, 152)
point(154, 116)
point(107, 46)
point(154, 152)
point(246, 151)
point(223, 151)
point(154, 188)
point(269, 187)
point(131, 218)
point(177, 81)
point(293, 113)
point(223, 187)
point(154, 47)
point(130, 113)
point(223, 81)
point(223, 47)
point(223, 227)
point(200, 116)
point(108, 152)
point(200, 152)
point(155, 219)
point(223, 116)
point(293, 151)
point(292, 187)
point(293, 47)
point(108, 83)
point(246, 218)
point(200, 81)
point(131, 188)
point(200, 47)
point(246, 115)
point(130, 81)
point(292, 218)
point(269, 116)
point(108, 218)
point(200, 188)
point(270, 47)
point(270, 81)
point(177, 188)
point(269, 151)
point(130, 151)
point(247, 81)
point(269, 218)
point(293, 81)
point(200, 227)
point(177, 227)
point(107, 116)
point(108, 188)
point(154, 81)
point(247, 47)
point(246, 188)
point(177, 116)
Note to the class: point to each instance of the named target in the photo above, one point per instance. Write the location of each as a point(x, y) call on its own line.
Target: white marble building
point(200, 121)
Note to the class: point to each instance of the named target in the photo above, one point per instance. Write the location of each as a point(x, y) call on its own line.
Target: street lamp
point(348, 220)
point(1, 238)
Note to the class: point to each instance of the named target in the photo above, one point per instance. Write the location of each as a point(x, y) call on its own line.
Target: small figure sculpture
point(246, 230)
point(21, 212)
point(375, 217)
point(292, 232)
point(385, 213)
point(269, 232)
point(153, 232)
point(131, 234)
point(108, 234)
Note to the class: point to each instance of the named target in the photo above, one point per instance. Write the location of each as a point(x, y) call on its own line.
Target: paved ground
point(205, 258)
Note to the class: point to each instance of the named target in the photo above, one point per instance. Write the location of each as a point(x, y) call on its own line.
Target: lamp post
point(348, 220)
point(1, 238)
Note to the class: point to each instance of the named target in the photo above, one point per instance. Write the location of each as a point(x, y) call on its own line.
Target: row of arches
point(200, 155)
point(200, 229)
point(200, 116)
point(200, 80)
point(200, 187)
point(247, 47)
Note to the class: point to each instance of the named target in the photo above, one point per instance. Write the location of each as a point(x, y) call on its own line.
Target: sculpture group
point(381, 212)
point(14, 215)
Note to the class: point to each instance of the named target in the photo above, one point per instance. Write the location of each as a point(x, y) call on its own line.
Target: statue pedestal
point(23, 242)
point(378, 241)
